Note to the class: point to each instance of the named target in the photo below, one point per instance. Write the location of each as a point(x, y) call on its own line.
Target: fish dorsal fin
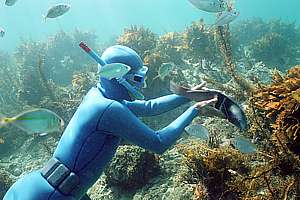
point(177, 89)
point(200, 86)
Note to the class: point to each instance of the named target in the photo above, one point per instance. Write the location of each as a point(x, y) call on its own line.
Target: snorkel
point(92, 53)
point(136, 79)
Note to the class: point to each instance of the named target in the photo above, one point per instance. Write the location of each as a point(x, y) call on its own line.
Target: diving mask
point(137, 78)
point(133, 82)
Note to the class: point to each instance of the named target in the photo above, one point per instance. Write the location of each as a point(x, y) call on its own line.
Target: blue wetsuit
point(93, 136)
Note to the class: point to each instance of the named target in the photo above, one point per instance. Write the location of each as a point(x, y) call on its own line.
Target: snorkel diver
point(108, 114)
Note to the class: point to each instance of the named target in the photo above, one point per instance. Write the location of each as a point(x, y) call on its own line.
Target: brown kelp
point(273, 42)
point(215, 169)
point(140, 39)
point(199, 44)
point(274, 50)
point(168, 50)
point(230, 66)
point(281, 104)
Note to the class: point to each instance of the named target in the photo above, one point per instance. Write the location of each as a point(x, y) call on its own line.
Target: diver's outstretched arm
point(123, 123)
point(155, 106)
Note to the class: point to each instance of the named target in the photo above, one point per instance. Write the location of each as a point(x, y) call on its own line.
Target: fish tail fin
point(45, 18)
point(177, 89)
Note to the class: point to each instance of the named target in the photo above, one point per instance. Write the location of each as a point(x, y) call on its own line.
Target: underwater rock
point(5, 182)
point(17, 172)
point(166, 191)
point(131, 168)
point(101, 191)
point(166, 185)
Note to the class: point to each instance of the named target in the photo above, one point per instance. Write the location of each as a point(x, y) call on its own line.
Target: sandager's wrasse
point(40, 120)
point(57, 10)
point(231, 110)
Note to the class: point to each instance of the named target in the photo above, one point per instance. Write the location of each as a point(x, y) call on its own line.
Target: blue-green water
point(108, 18)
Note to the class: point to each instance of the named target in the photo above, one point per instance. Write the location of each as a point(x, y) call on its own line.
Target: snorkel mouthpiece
point(136, 94)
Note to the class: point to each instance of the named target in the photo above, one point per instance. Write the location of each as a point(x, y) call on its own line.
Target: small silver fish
point(38, 120)
point(209, 5)
point(57, 10)
point(243, 144)
point(198, 131)
point(226, 17)
point(2, 32)
point(10, 2)
point(113, 70)
point(164, 70)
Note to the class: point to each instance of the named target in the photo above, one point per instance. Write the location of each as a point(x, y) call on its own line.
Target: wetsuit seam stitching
point(52, 193)
point(95, 155)
point(90, 134)
point(103, 114)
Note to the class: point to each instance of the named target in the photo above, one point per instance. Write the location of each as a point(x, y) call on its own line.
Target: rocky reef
point(132, 168)
point(5, 182)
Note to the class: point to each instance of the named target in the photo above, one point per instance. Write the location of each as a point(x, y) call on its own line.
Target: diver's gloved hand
point(225, 107)
point(210, 102)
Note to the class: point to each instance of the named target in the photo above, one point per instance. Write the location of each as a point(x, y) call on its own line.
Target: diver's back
point(84, 149)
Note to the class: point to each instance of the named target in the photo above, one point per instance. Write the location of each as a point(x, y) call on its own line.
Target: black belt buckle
point(60, 176)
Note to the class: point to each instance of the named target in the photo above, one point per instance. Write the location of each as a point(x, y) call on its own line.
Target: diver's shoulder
point(94, 92)
point(94, 97)
point(116, 106)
